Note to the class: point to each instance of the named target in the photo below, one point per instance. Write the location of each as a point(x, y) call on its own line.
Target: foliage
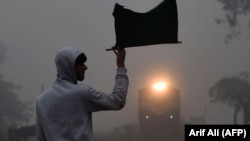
point(233, 10)
point(13, 112)
point(233, 91)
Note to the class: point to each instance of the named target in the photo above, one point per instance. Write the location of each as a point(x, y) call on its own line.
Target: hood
point(65, 64)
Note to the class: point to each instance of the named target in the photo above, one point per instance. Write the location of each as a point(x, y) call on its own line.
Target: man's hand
point(120, 56)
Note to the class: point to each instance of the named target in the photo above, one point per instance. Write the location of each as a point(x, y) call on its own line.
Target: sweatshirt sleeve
point(116, 100)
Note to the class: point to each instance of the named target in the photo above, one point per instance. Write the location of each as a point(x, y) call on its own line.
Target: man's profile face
point(80, 66)
point(80, 71)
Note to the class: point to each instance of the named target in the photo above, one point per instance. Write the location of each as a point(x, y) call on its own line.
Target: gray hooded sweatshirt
point(64, 111)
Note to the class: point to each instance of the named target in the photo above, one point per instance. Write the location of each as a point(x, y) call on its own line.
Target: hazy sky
point(33, 30)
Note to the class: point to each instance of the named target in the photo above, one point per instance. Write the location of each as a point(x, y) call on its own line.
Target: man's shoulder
point(43, 94)
point(82, 87)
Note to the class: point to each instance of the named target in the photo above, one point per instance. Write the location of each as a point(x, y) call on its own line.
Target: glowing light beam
point(160, 86)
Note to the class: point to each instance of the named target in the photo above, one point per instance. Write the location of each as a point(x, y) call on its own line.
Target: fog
point(33, 30)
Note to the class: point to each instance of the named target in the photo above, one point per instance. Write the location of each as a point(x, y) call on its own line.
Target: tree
point(234, 9)
point(12, 111)
point(234, 91)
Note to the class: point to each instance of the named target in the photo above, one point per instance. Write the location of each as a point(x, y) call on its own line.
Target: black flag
point(157, 26)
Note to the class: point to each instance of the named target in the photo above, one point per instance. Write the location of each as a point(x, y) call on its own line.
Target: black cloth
point(157, 26)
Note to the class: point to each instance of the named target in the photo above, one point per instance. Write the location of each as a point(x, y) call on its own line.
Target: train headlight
point(160, 86)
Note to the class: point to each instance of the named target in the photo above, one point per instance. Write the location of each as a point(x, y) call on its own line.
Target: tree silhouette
point(12, 111)
point(234, 91)
point(234, 9)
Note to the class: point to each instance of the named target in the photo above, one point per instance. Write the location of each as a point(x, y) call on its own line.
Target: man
point(64, 111)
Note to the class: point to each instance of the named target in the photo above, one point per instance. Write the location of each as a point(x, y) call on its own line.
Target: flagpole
point(112, 48)
point(109, 49)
